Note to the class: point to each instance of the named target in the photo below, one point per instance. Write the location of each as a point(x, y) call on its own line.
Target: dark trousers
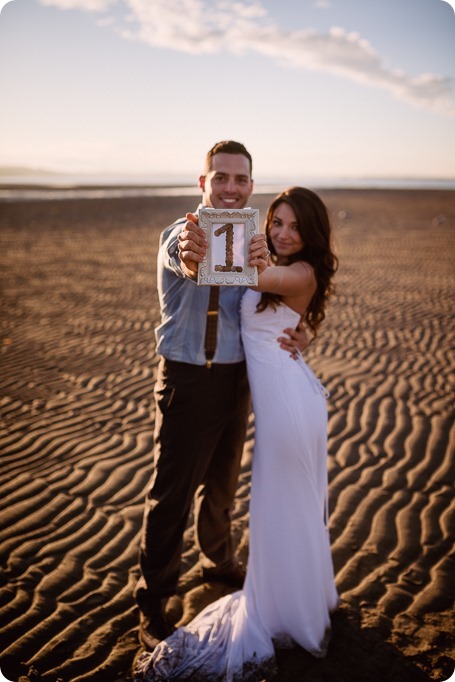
point(200, 429)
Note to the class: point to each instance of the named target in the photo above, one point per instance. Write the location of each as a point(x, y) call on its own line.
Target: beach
point(78, 363)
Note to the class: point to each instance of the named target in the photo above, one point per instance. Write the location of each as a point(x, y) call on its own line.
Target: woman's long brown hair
point(314, 227)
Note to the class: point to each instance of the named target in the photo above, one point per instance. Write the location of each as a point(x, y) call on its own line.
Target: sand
point(77, 369)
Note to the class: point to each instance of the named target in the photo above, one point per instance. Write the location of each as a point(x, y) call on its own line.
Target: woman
point(289, 589)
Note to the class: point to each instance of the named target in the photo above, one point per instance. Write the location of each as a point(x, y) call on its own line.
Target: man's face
point(228, 184)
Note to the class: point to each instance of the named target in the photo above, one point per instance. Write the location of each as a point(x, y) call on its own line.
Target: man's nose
point(230, 185)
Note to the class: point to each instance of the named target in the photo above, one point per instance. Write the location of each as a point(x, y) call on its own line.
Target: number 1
point(229, 266)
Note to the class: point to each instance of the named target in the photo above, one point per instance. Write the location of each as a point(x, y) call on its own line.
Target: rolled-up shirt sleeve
point(169, 249)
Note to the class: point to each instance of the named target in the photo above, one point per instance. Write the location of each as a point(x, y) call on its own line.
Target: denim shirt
point(181, 334)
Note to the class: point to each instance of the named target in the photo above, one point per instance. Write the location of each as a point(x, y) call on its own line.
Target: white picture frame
point(228, 234)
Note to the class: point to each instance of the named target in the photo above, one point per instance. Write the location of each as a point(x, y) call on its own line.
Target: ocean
point(60, 186)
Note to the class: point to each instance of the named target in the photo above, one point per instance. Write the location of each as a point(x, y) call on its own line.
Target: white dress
point(289, 590)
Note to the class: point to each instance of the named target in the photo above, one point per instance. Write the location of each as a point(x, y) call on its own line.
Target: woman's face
point(284, 232)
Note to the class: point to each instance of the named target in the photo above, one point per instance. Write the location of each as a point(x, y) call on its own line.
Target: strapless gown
point(289, 590)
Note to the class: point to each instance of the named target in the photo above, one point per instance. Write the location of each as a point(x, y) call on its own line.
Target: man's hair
point(227, 147)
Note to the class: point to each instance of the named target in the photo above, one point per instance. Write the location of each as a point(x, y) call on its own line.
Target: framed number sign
point(228, 238)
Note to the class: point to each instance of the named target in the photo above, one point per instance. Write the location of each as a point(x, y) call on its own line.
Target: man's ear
point(202, 182)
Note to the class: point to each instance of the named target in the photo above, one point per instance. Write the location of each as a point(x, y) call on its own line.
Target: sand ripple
point(76, 414)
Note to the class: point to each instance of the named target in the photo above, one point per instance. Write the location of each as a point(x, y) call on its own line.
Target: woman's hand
point(258, 255)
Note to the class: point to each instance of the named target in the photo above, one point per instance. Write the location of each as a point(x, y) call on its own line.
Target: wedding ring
point(267, 254)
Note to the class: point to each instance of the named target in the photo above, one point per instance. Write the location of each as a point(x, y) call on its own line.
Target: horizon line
point(185, 180)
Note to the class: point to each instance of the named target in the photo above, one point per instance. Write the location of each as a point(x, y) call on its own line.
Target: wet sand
point(76, 416)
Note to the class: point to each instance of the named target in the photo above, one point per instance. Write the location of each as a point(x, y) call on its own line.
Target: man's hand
point(296, 340)
point(192, 245)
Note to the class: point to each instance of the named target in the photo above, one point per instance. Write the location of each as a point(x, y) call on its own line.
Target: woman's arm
point(288, 280)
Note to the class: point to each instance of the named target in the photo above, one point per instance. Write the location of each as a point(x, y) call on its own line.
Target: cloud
point(351, 56)
point(87, 5)
point(239, 27)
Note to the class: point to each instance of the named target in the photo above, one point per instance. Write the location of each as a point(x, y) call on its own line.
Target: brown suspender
point(212, 323)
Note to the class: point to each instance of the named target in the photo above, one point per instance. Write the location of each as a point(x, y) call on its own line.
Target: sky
point(313, 88)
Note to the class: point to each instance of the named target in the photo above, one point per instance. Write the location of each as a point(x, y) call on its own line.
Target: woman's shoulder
point(304, 269)
point(302, 264)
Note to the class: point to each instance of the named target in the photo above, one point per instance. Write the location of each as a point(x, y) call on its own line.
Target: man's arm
point(296, 340)
point(169, 248)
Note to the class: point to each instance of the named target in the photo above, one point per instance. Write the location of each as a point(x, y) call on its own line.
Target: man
point(202, 402)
